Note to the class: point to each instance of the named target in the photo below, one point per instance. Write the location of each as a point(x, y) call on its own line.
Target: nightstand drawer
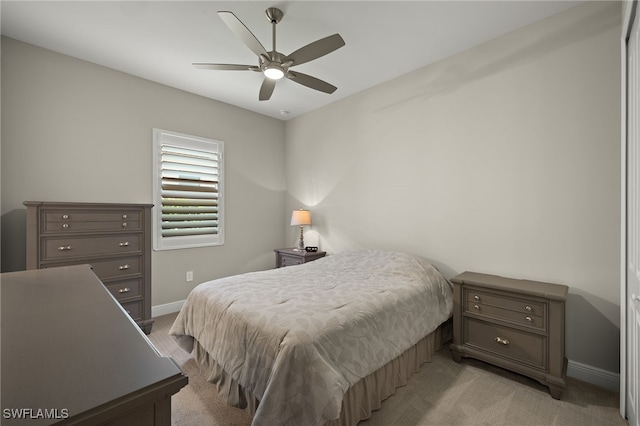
point(518, 345)
point(525, 306)
point(290, 257)
point(286, 260)
point(518, 317)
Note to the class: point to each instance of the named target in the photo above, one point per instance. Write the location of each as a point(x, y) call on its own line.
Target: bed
point(320, 343)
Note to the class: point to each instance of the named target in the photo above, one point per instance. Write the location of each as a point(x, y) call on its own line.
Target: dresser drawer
point(134, 309)
point(517, 345)
point(70, 247)
point(90, 220)
point(116, 268)
point(107, 269)
point(50, 227)
point(125, 289)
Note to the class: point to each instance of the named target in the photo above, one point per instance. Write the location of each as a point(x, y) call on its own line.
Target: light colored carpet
point(441, 393)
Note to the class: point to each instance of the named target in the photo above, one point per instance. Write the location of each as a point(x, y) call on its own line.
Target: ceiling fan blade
point(312, 82)
point(242, 32)
point(316, 49)
point(226, 67)
point(266, 89)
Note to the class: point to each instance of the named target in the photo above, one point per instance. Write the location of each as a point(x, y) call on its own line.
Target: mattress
point(298, 338)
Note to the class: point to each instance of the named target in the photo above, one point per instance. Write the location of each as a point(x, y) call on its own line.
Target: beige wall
point(503, 159)
point(75, 131)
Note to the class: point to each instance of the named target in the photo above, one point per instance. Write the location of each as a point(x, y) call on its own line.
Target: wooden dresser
point(115, 239)
point(71, 356)
point(514, 324)
point(289, 257)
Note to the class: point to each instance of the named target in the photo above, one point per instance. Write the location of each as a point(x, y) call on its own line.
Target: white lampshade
point(301, 217)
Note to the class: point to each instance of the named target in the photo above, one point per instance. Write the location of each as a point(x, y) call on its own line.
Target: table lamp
point(300, 218)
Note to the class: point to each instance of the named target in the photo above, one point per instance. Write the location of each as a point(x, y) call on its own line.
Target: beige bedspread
point(299, 337)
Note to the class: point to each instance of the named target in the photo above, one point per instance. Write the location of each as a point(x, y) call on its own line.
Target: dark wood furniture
point(69, 348)
point(289, 256)
point(515, 324)
point(115, 239)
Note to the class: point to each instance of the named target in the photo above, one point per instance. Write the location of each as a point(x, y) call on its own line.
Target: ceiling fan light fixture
point(273, 71)
point(273, 64)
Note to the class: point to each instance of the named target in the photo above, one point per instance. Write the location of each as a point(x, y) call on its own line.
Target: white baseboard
point(167, 308)
point(587, 373)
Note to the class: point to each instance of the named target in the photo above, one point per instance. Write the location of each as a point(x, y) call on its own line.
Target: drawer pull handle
point(123, 267)
point(124, 216)
point(65, 225)
point(476, 307)
point(528, 318)
point(124, 290)
point(65, 216)
point(502, 341)
point(124, 224)
point(124, 244)
point(65, 248)
point(528, 308)
point(476, 298)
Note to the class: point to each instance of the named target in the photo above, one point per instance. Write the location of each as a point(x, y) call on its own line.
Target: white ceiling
point(158, 40)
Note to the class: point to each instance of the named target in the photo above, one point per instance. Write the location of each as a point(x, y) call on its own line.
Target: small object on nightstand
point(309, 249)
point(289, 256)
point(514, 324)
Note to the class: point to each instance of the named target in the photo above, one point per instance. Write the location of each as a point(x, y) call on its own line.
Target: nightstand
point(514, 324)
point(289, 256)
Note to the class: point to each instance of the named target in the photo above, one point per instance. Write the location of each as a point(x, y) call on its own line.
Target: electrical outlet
point(189, 276)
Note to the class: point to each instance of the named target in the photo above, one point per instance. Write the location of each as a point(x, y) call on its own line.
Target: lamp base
point(300, 241)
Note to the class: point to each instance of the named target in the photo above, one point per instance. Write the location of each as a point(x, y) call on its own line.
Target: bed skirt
point(361, 399)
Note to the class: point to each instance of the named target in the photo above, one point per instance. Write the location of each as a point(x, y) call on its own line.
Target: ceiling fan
point(274, 65)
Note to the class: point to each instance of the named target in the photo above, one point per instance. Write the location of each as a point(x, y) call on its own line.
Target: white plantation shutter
point(188, 191)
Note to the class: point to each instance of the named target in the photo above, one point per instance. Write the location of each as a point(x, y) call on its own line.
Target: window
point(187, 191)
